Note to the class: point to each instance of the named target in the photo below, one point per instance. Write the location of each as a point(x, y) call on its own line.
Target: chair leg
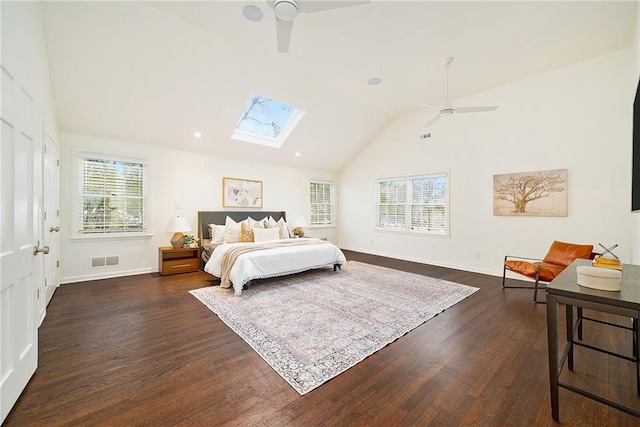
point(535, 291)
point(504, 278)
point(535, 285)
point(504, 272)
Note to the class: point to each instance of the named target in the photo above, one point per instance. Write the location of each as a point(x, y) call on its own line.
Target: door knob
point(37, 248)
point(52, 229)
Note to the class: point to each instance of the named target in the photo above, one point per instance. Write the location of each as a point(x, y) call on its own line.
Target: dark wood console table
point(564, 289)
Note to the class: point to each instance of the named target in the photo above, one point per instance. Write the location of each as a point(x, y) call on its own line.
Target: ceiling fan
point(287, 10)
point(447, 109)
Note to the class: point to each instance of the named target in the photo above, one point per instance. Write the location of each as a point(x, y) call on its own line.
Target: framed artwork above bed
point(241, 193)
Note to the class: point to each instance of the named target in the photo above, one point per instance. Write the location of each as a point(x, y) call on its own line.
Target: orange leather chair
point(558, 258)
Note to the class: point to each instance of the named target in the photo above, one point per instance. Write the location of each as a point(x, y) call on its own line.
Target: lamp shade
point(299, 221)
point(178, 223)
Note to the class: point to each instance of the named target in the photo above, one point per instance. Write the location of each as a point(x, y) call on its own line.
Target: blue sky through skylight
point(266, 121)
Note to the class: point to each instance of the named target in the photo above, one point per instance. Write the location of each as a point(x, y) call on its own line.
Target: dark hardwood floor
point(140, 350)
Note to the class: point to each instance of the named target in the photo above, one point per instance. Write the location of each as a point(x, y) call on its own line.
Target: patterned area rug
point(315, 325)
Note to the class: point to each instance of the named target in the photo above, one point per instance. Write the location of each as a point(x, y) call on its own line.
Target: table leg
point(552, 338)
point(579, 320)
point(636, 351)
point(635, 337)
point(569, 311)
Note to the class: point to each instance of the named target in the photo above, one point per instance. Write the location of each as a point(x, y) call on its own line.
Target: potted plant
point(190, 241)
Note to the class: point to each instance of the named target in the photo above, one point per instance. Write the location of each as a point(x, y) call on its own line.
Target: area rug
point(315, 325)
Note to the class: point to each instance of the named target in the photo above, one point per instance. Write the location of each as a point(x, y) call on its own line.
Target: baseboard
point(426, 261)
point(106, 275)
point(109, 275)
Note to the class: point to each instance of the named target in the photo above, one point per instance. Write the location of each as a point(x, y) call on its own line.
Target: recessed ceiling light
point(298, 154)
point(197, 134)
point(374, 81)
point(252, 13)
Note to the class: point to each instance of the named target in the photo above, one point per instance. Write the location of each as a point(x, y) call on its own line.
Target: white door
point(51, 216)
point(19, 211)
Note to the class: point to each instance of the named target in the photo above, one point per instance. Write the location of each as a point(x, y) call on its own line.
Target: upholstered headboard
point(218, 217)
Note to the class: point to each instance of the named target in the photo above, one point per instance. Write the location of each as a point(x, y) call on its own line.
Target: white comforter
point(279, 261)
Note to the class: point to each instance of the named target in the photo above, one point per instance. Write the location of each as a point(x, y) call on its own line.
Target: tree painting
point(542, 193)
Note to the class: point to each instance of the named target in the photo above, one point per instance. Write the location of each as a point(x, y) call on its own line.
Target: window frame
point(406, 226)
point(332, 204)
point(77, 222)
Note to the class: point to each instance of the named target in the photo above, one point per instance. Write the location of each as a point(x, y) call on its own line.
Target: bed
point(238, 264)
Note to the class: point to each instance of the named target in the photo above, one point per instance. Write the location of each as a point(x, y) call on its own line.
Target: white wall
point(24, 53)
point(190, 180)
point(578, 118)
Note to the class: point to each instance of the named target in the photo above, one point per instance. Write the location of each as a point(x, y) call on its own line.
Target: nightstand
point(177, 260)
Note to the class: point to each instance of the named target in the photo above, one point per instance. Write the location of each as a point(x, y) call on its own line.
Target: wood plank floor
point(140, 350)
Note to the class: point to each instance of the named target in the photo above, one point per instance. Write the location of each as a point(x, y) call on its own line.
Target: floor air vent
point(103, 261)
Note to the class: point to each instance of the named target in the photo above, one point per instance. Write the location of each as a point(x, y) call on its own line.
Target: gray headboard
point(218, 217)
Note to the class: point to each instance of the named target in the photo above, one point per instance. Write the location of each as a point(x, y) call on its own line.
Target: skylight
point(266, 121)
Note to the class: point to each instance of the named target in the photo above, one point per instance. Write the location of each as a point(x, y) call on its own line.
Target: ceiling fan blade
point(321, 5)
point(433, 120)
point(475, 109)
point(283, 33)
point(433, 107)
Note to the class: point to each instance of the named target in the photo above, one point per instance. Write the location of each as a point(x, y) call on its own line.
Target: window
point(266, 121)
point(322, 208)
point(112, 196)
point(414, 204)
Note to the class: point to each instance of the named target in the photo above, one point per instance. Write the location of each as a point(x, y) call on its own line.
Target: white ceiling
point(155, 72)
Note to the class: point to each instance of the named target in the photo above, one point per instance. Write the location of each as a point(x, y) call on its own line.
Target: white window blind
point(414, 204)
point(322, 206)
point(429, 203)
point(112, 196)
point(392, 197)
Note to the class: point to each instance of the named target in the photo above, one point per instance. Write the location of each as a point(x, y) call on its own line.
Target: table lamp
point(176, 225)
point(297, 223)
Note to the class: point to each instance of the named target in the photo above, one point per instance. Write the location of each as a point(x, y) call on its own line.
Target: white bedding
point(279, 261)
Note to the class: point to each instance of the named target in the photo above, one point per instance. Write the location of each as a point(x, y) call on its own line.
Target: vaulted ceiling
point(156, 72)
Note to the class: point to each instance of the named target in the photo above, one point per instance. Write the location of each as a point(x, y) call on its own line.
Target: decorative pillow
point(265, 234)
point(284, 229)
point(246, 233)
point(272, 222)
point(263, 223)
point(216, 233)
point(208, 245)
point(250, 222)
point(231, 231)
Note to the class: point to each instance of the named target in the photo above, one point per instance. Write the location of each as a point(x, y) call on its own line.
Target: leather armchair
point(544, 270)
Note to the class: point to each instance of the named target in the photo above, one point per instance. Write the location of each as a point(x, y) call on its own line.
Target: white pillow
point(265, 234)
point(263, 223)
point(250, 222)
point(257, 224)
point(231, 231)
point(284, 229)
point(218, 234)
point(272, 222)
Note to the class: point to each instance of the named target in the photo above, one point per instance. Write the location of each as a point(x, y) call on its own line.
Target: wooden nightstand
point(180, 260)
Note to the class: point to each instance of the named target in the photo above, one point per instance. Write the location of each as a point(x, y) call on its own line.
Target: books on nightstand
point(607, 263)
